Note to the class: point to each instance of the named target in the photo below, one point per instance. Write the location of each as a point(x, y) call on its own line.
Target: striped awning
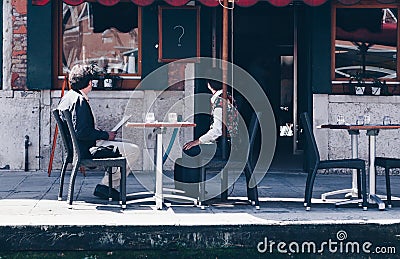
point(243, 3)
point(211, 3)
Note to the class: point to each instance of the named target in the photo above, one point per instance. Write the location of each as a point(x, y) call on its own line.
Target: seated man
point(76, 101)
point(187, 169)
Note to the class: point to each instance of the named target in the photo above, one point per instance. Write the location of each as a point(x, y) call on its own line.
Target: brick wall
point(19, 46)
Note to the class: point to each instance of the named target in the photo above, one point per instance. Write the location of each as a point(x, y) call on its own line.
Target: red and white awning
point(211, 3)
point(243, 3)
point(387, 35)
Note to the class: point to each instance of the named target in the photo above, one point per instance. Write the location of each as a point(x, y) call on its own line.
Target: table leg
point(373, 198)
point(354, 153)
point(159, 174)
point(353, 192)
point(372, 182)
point(159, 195)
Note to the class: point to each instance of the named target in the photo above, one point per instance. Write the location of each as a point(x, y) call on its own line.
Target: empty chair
point(387, 163)
point(74, 156)
point(219, 164)
point(313, 164)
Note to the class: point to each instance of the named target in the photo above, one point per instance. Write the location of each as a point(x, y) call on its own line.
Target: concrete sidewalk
point(33, 219)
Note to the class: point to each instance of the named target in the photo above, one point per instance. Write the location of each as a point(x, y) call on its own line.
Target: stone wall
point(28, 113)
point(20, 113)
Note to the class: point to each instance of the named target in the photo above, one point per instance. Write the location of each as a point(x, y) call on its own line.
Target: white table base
point(158, 196)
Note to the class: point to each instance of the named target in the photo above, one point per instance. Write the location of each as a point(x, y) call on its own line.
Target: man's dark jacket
point(83, 121)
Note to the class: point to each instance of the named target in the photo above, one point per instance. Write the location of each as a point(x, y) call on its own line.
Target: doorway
point(265, 46)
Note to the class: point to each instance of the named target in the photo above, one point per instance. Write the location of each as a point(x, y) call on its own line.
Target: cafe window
point(108, 36)
point(365, 42)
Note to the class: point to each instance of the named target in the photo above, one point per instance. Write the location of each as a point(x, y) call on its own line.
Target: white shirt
point(215, 130)
point(84, 95)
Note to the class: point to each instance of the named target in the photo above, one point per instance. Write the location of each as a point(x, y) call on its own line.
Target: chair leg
point(122, 187)
point(224, 185)
point(359, 184)
point(256, 201)
point(310, 189)
point(202, 185)
point(109, 172)
point(307, 187)
point(252, 193)
point(62, 176)
point(388, 190)
point(364, 189)
point(72, 184)
point(247, 173)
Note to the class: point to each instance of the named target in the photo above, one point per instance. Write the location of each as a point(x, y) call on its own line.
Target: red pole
point(53, 147)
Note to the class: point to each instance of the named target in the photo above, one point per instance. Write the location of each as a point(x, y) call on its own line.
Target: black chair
point(387, 163)
point(219, 164)
point(66, 140)
point(73, 155)
point(313, 164)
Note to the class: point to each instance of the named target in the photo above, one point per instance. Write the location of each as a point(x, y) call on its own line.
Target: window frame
point(362, 4)
point(129, 82)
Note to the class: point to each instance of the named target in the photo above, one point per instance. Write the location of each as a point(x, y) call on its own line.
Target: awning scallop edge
point(211, 3)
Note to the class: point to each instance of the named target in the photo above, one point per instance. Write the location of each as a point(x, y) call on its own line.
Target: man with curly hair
point(76, 101)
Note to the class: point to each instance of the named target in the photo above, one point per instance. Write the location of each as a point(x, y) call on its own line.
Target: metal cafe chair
point(66, 140)
point(313, 163)
point(387, 163)
point(73, 155)
point(218, 164)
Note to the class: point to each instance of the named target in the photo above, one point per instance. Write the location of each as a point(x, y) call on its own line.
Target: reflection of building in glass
point(91, 35)
point(366, 40)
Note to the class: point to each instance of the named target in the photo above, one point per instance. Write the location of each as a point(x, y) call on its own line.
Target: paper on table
point(121, 122)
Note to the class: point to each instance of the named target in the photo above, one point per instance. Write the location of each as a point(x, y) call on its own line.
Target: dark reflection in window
point(120, 16)
point(353, 19)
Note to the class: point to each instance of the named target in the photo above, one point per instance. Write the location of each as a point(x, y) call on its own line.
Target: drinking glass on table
point(150, 117)
point(387, 120)
point(367, 119)
point(340, 120)
point(172, 117)
point(360, 120)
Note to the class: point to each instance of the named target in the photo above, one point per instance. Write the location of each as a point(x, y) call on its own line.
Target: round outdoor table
point(160, 128)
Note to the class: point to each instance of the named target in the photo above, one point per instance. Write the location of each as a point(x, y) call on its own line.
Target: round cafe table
point(160, 129)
